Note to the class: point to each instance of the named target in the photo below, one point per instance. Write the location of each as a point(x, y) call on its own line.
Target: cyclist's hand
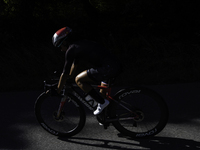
point(48, 92)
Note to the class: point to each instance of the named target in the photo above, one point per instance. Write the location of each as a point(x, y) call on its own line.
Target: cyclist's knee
point(81, 78)
point(78, 80)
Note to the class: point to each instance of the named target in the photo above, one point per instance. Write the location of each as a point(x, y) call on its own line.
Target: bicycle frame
point(122, 111)
point(91, 104)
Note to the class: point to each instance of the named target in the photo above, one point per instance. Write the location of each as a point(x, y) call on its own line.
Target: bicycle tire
point(72, 119)
point(149, 107)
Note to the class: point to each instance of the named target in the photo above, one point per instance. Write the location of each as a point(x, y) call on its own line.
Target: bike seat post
point(108, 89)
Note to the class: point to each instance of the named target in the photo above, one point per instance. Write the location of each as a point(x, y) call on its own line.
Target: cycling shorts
point(104, 73)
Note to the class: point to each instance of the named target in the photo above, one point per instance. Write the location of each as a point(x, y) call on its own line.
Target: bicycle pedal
point(106, 125)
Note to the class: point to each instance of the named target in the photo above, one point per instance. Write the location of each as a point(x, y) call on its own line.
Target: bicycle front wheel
point(140, 112)
point(71, 119)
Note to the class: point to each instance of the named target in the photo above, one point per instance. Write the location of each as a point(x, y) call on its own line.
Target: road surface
point(20, 130)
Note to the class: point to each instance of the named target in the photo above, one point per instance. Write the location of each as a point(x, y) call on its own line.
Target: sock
point(96, 96)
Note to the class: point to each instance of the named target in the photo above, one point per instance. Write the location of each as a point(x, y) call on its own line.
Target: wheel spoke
point(146, 115)
point(71, 117)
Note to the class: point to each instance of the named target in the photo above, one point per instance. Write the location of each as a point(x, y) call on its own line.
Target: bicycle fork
point(62, 103)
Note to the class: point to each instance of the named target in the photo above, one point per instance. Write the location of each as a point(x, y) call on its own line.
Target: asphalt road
point(20, 130)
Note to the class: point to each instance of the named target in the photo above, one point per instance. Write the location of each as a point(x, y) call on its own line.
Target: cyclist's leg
point(103, 91)
point(84, 82)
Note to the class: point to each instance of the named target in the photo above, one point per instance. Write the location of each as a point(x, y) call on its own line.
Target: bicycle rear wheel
point(71, 120)
point(147, 115)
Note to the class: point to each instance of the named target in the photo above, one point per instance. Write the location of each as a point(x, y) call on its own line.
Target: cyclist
point(104, 65)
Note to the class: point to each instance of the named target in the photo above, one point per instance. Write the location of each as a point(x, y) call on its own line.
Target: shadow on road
point(17, 120)
point(155, 143)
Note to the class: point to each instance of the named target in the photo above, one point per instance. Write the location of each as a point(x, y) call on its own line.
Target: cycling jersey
point(104, 64)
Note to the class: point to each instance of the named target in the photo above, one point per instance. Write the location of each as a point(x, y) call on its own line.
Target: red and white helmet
point(60, 36)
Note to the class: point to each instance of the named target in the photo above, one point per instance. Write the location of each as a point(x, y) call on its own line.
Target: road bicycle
point(137, 112)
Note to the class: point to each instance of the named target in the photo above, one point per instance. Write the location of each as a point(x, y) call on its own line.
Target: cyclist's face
point(64, 46)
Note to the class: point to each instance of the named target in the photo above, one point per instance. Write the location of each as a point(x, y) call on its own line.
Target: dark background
point(156, 41)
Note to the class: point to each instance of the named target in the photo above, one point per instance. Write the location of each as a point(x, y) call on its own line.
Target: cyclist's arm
point(73, 70)
point(69, 68)
point(62, 81)
point(64, 77)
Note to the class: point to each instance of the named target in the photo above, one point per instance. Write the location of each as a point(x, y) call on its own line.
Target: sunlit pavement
point(20, 130)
